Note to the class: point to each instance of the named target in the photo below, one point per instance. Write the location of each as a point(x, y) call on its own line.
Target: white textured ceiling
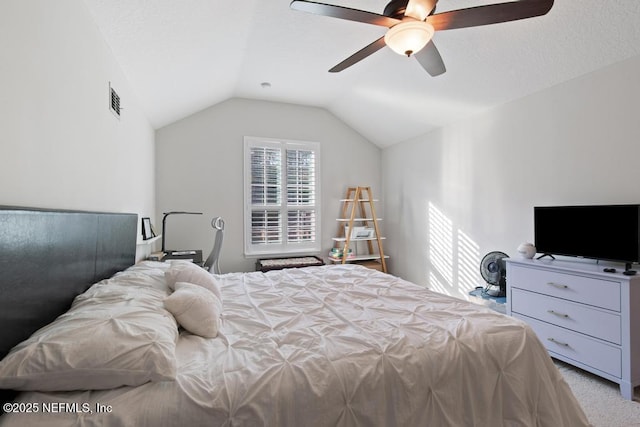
point(182, 56)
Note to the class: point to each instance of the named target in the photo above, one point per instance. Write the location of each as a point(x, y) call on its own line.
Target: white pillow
point(113, 335)
point(195, 308)
point(145, 273)
point(191, 273)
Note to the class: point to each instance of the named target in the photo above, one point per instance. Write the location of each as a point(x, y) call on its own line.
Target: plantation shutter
point(266, 191)
point(301, 195)
point(282, 203)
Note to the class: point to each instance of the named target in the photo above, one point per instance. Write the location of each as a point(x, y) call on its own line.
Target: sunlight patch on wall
point(441, 244)
point(436, 285)
point(468, 262)
point(454, 256)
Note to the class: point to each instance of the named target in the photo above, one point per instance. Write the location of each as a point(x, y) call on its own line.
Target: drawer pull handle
point(566, 316)
point(555, 341)
point(557, 285)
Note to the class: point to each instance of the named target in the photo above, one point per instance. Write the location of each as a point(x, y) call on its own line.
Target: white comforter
point(340, 346)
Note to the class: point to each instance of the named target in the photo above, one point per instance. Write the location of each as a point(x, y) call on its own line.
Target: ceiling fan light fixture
point(408, 37)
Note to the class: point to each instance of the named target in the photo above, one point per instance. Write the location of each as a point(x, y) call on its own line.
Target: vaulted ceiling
point(184, 56)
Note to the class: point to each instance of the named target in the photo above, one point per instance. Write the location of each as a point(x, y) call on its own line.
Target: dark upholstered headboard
point(47, 257)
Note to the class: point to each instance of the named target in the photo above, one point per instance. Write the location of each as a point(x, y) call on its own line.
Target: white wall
point(61, 146)
point(455, 194)
point(200, 168)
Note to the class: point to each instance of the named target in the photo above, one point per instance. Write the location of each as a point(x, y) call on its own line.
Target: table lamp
point(164, 223)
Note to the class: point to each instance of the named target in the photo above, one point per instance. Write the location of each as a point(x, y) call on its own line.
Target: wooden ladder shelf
point(359, 223)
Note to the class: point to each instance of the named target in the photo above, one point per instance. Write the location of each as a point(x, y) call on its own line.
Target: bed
point(338, 345)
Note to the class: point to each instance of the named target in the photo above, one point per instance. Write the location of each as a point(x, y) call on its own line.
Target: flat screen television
point(602, 232)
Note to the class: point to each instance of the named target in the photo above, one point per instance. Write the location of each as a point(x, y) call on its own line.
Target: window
point(282, 196)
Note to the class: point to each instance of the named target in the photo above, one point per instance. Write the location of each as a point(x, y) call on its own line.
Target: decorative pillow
point(115, 334)
point(191, 273)
point(195, 308)
point(146, 274)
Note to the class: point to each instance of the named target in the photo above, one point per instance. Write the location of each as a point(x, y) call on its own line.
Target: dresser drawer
point(577, 317)
point(587, 290)
point(588, 351)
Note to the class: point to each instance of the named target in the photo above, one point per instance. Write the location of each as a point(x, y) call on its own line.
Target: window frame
point(253, 250)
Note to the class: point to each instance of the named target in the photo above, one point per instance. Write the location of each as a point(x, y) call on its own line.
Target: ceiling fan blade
point(359, 55)
point(420, 9)
point(344, 13)
point(430, 59)
point(489, 14)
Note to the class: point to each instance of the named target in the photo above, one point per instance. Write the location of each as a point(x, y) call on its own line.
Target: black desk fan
point(494, 272)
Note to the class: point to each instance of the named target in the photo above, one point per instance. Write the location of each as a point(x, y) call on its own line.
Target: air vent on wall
point(114, 102)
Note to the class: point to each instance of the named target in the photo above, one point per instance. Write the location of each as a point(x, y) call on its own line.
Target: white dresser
point(582, 315)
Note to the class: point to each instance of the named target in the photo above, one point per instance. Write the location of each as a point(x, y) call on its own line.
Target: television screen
point(605, 232)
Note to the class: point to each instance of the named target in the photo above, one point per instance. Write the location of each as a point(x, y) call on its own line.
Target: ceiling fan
point(412, 24)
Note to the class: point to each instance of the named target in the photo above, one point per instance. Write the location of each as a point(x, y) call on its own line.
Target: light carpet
point(601, 399)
